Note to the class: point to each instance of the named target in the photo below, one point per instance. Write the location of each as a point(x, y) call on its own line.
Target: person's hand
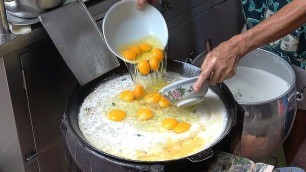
point(141, 3)
point(220, 63)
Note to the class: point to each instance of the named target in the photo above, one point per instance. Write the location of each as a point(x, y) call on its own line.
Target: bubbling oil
point(155, 78)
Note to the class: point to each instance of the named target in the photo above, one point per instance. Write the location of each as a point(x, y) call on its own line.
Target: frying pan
point(79, 93)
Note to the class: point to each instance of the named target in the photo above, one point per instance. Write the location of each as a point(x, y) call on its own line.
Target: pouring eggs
point(145, 55)
point(118, 110)
point(154, 132)
point(145, 113)
point(128, 31)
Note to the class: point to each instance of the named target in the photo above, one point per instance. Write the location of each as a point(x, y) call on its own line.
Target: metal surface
point(10, 153)
point(3, 20)
point(80, 42)
point(93, 159)
point(15, 18)
point(11, 42)
point(30, 8)
point(188, 31)
point(31, 157)
point(19, 102)
point(186, 17)
point(172, 9)
point(81, 159)
point(48, 82)
point(21, 21)
point(266, 124)
point(198, 60)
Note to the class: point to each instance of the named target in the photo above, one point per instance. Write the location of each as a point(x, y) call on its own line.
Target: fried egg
point(140, 132)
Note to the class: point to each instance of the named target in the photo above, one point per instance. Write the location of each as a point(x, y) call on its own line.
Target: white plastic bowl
point(124, 23)
point(181, 93)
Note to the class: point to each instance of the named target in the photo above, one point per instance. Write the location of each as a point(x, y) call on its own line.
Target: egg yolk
point(131, 55)
point(136, 50)
point(154, 63)
point(143, 67)
point(158, 54)
point(169, 123)
point(163, 102)
point(144, 114)
point(181, 127)
point(127, 95)
point(139, 91)
point(145, 47)
point(152, 97)
point(116, 115)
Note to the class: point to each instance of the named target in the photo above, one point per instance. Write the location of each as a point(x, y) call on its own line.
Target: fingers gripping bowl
point(123, 24)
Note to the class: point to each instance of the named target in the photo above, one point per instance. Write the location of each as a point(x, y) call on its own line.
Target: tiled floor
point(300, 158)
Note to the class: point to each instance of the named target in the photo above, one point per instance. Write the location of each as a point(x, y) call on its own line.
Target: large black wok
point(89, 158)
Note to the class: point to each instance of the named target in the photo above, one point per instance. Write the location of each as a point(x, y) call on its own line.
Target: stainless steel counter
point(11, 42)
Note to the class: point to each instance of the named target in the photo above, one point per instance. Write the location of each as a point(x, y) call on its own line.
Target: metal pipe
point(4, 28)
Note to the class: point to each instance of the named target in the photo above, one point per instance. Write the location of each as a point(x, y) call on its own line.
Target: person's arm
point(221, 63)
point(287, 19)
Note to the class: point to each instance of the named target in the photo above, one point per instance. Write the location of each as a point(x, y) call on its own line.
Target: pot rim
point(289, 91)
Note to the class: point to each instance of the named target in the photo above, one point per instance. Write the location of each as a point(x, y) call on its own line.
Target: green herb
point(239, 94)
point(87, 109)
point(139, 135)
point(113, 104)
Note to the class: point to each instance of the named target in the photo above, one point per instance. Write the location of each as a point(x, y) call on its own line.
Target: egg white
point(148, 140)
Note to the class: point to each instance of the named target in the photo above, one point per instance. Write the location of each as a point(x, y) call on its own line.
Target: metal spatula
point(79, 40)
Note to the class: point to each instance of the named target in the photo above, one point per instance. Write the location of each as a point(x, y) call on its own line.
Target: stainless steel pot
point(266, 124)
point(30, 8)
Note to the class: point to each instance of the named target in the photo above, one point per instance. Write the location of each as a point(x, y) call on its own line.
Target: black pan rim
point(107, 155)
